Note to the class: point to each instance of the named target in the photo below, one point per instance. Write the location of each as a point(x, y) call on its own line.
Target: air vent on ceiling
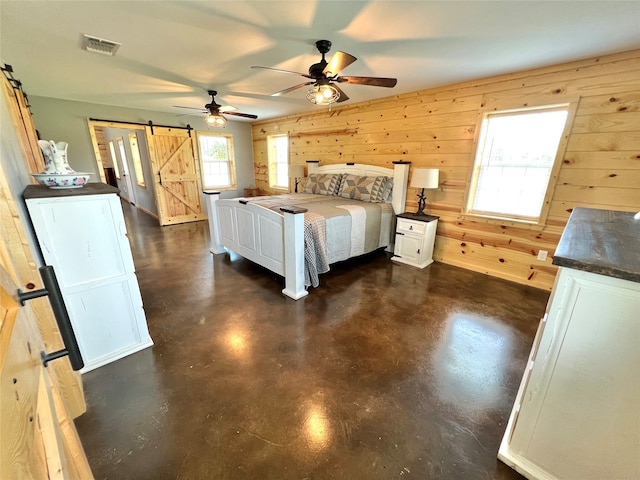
point(99, 45)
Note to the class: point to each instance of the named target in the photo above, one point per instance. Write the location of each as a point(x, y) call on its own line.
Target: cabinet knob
point(410, 227)
point(418, 252)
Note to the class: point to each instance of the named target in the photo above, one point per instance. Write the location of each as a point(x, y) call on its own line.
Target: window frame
point(273, 163)
point(230, 161)
point(472, 177)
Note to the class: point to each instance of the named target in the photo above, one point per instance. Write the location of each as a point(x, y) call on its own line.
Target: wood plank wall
point(102, 147)
point(436, 128)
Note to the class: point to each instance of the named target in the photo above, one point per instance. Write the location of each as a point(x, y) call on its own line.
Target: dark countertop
point(40, 191)
point(606, 242)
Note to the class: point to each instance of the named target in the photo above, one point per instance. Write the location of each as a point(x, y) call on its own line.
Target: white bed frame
point(276, 241)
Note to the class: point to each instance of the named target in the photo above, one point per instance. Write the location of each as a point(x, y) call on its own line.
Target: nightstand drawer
point(409, 226)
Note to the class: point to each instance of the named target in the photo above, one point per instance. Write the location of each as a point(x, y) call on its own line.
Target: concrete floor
point(383, 372)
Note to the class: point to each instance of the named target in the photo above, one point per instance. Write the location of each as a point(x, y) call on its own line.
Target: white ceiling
point(174, 51)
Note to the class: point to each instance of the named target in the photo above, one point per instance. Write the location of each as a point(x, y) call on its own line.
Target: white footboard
point(261, 235)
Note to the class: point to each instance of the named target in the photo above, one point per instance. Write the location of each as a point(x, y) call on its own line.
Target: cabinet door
point(410, 247)
point(84, 238)
point(108, 320)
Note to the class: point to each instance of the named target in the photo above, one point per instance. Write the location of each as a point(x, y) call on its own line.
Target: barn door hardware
point(149, 124)
point(52, 289)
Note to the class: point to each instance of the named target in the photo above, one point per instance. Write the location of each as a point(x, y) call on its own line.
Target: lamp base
point(421, 203)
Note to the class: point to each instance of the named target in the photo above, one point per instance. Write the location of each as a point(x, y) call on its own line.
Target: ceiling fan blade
point(339, 62)
point(291, 89)
point(343, 96)
point(372, 81)
point(190, 108)
point(238, 114)
point(283, 71)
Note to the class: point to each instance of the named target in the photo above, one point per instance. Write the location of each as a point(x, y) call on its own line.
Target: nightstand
point(415, 238)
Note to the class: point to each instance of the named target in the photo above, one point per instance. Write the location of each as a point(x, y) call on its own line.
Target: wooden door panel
point(38, 439)
point(176, 175)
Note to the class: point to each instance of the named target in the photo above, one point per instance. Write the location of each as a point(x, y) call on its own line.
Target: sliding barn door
point(23, 156)
point(38, 439)
point(176, 173)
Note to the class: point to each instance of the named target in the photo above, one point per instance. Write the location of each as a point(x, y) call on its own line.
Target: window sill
point(221, 189)
point(504, 222)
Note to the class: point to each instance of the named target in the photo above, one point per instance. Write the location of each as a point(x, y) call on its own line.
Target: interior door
point(176, 172)
point(127, 186)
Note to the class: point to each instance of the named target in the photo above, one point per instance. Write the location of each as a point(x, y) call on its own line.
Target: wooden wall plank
point(610, 159)
point(606, 122)
point(601, 177)
point(617, 141)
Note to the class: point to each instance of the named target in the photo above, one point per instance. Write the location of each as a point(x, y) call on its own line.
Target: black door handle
point(52, 289)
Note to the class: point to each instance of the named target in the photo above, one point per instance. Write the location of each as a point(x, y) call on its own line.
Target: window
point(114, 160)
point(278, 155)
point(216, 157)
point(137, 162)
point(516, 154)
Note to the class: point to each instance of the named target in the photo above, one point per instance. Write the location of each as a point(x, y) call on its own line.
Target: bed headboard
point(399, 172)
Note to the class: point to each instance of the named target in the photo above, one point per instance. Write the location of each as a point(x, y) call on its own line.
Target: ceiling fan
point(324, 77)
point(214, 111)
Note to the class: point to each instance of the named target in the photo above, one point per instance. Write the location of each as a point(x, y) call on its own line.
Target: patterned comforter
point(335, 228)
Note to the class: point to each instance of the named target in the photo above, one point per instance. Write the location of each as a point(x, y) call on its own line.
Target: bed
point(298, 236)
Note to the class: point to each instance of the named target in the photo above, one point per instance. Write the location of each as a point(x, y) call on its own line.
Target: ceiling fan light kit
point(215, 120)
point(323, 95)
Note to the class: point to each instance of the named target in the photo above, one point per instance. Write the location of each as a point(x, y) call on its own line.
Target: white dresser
point(82, 234)
point(577, 412)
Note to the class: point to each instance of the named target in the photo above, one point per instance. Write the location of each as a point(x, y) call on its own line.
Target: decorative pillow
point(388, 190)
point(323, 183)
point(366, 189)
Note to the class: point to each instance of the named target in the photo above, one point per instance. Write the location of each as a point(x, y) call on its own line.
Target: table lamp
point(296, 172)
point(424, 178)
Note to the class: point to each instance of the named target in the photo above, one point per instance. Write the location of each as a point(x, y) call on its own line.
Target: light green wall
point(63, 120)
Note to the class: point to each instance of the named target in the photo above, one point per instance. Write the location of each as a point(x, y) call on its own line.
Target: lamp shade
point(425, 178)
point(296, 171)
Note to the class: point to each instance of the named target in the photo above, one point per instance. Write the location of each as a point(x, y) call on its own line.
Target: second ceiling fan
point(214, 111)
point(324, 77)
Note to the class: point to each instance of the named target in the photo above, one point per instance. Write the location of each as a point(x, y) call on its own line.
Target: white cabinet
point(83, 236)
point(415, 239)
point(577, 413)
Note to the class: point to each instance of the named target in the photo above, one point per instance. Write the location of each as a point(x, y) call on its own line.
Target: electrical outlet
point(542, 255)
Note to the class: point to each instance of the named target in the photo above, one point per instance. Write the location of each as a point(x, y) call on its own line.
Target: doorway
point(160, 168)
point(122, 154)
